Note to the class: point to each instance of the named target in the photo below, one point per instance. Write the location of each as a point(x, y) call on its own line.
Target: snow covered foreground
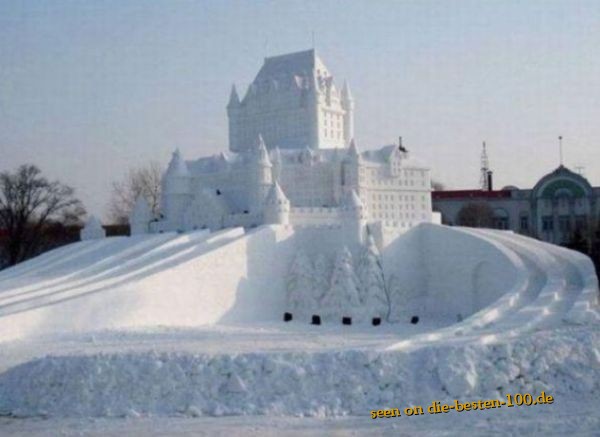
point(189, 325)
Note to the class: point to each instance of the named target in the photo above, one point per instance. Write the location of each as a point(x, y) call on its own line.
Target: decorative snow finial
point(234, 99)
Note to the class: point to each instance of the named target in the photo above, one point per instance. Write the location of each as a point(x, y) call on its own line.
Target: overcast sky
point(89, 89)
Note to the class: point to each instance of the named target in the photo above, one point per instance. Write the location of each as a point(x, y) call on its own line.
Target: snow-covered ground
point(181, 334)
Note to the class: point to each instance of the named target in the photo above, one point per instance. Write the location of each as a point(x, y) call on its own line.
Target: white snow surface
point(190, 325)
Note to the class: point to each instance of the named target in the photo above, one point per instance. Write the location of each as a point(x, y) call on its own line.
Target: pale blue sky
point(88, 89)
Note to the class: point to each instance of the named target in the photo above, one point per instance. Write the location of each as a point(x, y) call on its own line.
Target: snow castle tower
point(261, 174)
point(353, 217)
point(176, 188)
point(277, 206)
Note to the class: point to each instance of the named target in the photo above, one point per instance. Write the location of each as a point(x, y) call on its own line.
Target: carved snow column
point(347, 102)
point(277, 206)
point(140, 217)
point(354, 218)
point(176, 191)
point(261, 177)
point(92, 230)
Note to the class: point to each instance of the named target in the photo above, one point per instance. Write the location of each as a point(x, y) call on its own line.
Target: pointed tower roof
point(276, 195)
point(93, 224)
point(353, 150)
point(346, 94)
point(234, 99)
point(92, 230)
point(177, 166)
point(260, 151)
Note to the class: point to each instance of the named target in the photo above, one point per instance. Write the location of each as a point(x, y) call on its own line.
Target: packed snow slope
point(191, 324)
point(489, 280)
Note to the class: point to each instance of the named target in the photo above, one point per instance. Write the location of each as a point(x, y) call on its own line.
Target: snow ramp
point(168, 279)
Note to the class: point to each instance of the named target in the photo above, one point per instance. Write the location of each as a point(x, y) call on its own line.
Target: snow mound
point(564, 363)
point(497, 313)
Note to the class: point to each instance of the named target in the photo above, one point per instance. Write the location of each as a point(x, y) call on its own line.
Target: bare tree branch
point(142, 181)
point(28, 204)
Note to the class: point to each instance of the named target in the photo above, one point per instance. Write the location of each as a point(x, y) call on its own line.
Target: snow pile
point(565, 363)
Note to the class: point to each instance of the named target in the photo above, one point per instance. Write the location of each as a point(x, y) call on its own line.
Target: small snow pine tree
point(372, 284)
point(397, 300)
point(300, 285)
point(322, 276)
point(342, 299)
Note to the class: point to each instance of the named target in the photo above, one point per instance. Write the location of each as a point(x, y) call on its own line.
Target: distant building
point(561, 203)
point(292, 160)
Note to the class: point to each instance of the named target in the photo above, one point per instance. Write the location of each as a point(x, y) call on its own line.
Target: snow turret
point(259, 152)
point(92, 230)
point(140, 217)
point(234, 99)
point(354, 216)
point(176, 189)
point(347, 102)
point(277, 206)
point(260, 174)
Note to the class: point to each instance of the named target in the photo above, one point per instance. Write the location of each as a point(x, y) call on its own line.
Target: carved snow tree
point(342, 299)
point(322, 277)
point(142, 181)
point(372, 283)
point(29, 205)
point(300, 287)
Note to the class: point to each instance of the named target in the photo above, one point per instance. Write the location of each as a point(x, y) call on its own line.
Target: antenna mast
point(484, 181)
point(560, 149)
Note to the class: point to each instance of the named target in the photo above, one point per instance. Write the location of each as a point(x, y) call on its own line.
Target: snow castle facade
point(293, 160)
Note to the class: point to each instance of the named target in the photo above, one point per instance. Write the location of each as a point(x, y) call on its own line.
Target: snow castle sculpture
point(293, 160)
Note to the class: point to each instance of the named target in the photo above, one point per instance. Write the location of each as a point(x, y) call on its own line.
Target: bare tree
point(29, 204)
point(476, 215)
point(140, 181)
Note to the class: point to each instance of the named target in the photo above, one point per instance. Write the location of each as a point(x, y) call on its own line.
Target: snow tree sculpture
point(342, 299)
point(300, 287)
point(322, 277)
point(397, 299)
point(372, 284)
